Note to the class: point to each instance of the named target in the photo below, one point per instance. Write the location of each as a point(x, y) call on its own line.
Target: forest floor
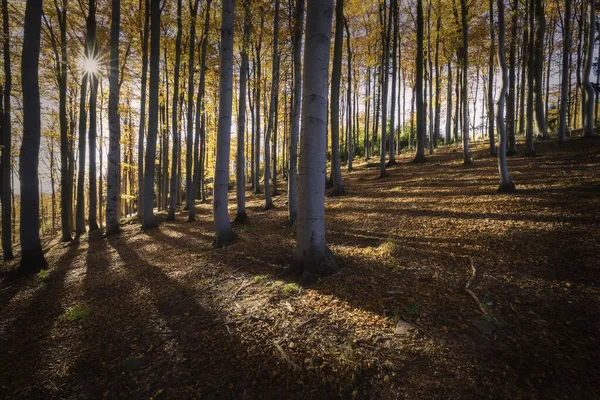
point(161, 315)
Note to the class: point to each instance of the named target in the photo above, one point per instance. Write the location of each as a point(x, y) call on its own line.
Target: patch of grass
point(291, 289)
point(43, 275)
point(396, 189)
point(260, 278)
point(389, 247)
point(77, 312)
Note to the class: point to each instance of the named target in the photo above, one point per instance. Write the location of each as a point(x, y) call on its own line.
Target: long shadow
point(25, 340)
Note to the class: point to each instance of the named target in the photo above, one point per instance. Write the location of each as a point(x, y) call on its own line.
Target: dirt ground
point(160, 315)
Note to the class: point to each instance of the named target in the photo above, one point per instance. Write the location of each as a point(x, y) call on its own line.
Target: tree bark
point(465, 78)
point(490, 93)
point(564, 88)
point(92, 176)
point(512, 78)
point(392, 147)
point(257, 93)
point(588, 130)
point(336, 74)
point(506, 184)
point(421, 118)
point(32, 256)
point(189, 143)
point(540, 117)
point(312, 255)
point(114, 124)
point(224, 235)
point(148, 219)
point(142, 123)
point(530, 148)
point(240, 178)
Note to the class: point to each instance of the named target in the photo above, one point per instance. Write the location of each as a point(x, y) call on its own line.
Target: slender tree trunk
point(80, 210)
point(540, 118)
point(336, 74)
point(240, 178)
point(392, 146)
point(506, 184)
point(189, 143)
point(430, 78)
point(311, 254)
point(224, 235)
point(465, 79)
point(142, 123)
point(6, 132)
point(114, 124)
point(271, 117)
point(524, 75)
point(436, 130)
point(350, 144)
point(148, 219)
point(530, 80)
point(549, 68)
point(385, 66)
point(92, 176)
point(367, 112)
point(490, 93)
point(295, 121)
point(449, 104)
point(512, 78)
point(421, 118)
point(32, 256)
point(588, 106)
point(174, 121)
point(565, 83)
point(257, 93)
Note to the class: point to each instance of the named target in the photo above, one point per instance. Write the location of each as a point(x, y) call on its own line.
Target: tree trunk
point(512, 78)
point(311, 254)
point(271, 117)
point(336, 75)
point(189, 143)
point(367, 112)
point(588, 130)
point(142, 124)
point(224, 235)
point(449, 103)
point(174, 120)
point(490, 93)
point(257, 93)
point(80, 210)
point(392, 146)
point(295, 121)
point(92, 189)
point(32, 256)
point(148, 219)
point(436, 129)
point(506, 184)
point(6, 133)
point(240, 178)
point(350, 145)
point(114, 124)
point(540, 117)
point(465, 78)
point(530, 149)
point(385, 67)
point(421, 118)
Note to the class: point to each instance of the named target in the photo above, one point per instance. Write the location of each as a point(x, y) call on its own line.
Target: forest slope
point(159, 314)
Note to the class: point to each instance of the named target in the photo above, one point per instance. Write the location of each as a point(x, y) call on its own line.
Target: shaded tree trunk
point(588, 106)
point(530, 149)
point(421, 118)
point(565, 83)
point(32, 256)
point(142, 123)
point(512, 82)
point(336, 75)
point(490, 91)
point(465, 78)
point(93, 134)
point(540, 117)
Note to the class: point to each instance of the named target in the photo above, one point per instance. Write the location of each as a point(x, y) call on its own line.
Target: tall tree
point(530, 148)
point(465, 80)
point(148, 219)
point(349, 146)
point(564, 88)
point(257, 102)
point(175, 122)
point(271, 118)
point(295, 120)
point(490, 88)
point(32, 256)
point(240, 167)
point(436, 130)
point(312, 255)
point(189, 143)
point(336, 77)
point(540, 32)
point(392, 146)
point(93, 62)
point(511, 116)
point(114, 124)
point(421, 118)
point(224, 235)
point(6, 133)
point(506, 184)
point(588, 129)
point(385, 67)
point(142, 124)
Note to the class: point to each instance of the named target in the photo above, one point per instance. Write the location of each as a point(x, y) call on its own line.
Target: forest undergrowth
point(159, 314)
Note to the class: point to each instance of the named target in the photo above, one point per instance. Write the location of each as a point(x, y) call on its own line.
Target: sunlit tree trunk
point(271, 117)
point(465, 79)
point(257, 94)
point(240, 167)
point(350, 144)
point(224, 235)
point(148, 219)
point(436, 129)
point(385, 66)
point(311, 254)
point(449, 104)
point(336, 75)
point(142, 124)
point(421, 118)
point(32, 256)
point(189, 143)
point(392, 146)
point(588, 129)
point(367, 112)
point(530, 149)
point(506, 184)
point(6, 132)
point(114, 124)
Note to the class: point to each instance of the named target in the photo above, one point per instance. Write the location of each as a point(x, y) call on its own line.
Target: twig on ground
point(473, 295)
point(285, 357)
